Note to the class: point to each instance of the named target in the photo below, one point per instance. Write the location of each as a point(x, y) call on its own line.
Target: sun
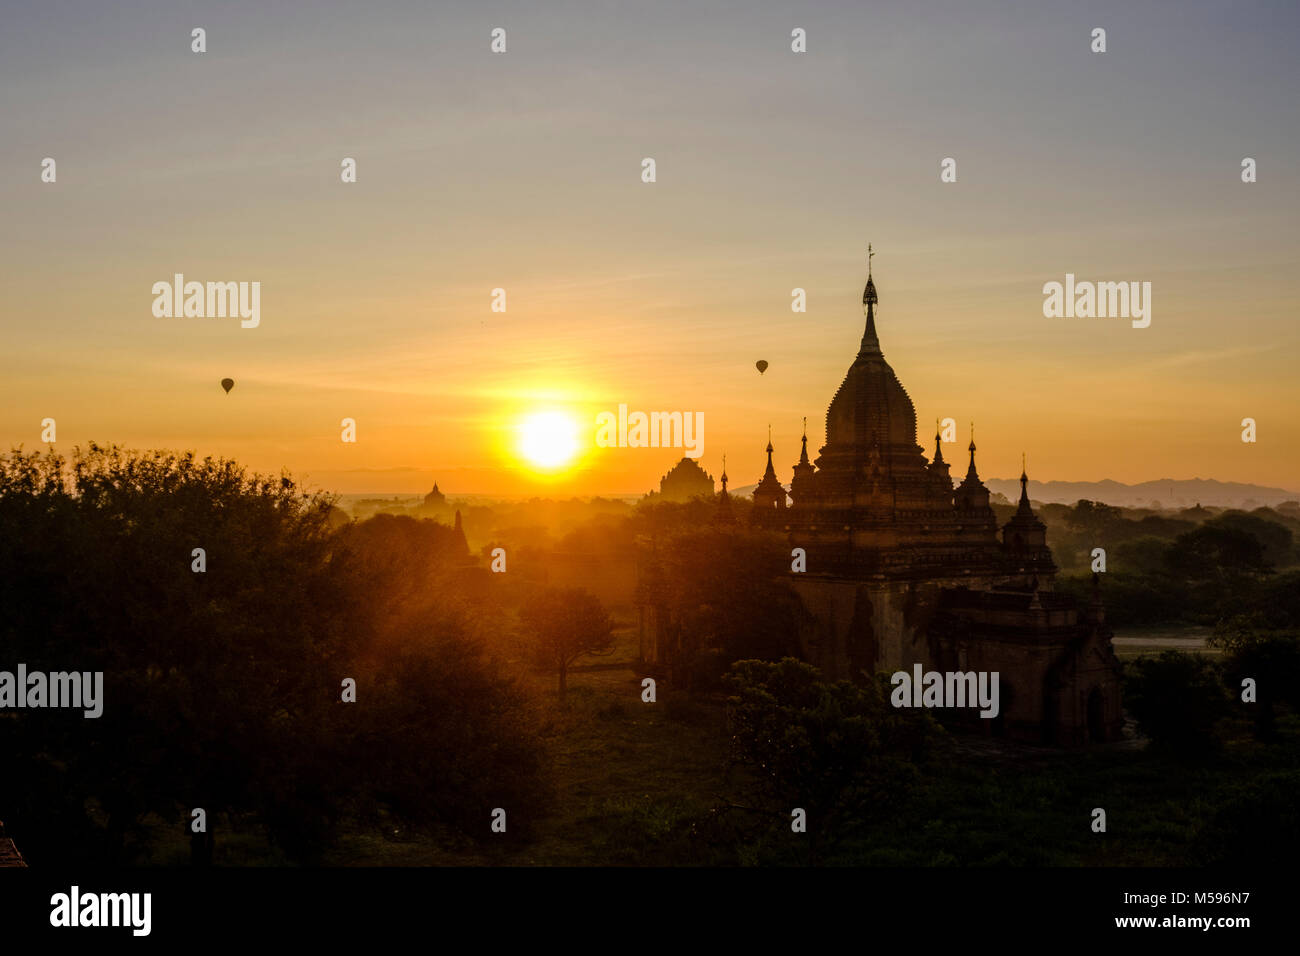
point(548, 440)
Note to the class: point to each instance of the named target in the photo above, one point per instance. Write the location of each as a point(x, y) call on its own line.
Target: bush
point(837, 750)
point(1258, 824)
point(1177, 699)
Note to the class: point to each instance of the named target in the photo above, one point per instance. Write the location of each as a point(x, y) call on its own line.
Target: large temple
point(684, 481)
point(903, 568)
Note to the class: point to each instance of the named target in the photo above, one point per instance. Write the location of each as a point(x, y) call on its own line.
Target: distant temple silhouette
point(684, 481)
point(903, 568)
point(435, 498)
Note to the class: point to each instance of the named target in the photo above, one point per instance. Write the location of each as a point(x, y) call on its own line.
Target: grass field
point(639, 784)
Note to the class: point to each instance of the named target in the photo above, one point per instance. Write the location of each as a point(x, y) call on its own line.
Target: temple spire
point(938, 443)
point(803, 455)
point(971, 472)
point(1025, 507)
point(770, 470)
point(870, 342)
point(459, 531)
point(769, 492)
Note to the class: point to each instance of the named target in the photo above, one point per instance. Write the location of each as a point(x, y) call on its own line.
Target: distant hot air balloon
point(227, 384)
point(761, 365)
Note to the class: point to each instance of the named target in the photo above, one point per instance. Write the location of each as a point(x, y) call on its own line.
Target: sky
point(774, 169)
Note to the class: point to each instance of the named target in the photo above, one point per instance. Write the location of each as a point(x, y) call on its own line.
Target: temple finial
point(870, 341)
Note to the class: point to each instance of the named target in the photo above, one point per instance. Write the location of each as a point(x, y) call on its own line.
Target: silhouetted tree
point(222, 686)
point(1274, 539)
point(837, 750)
point(566, 624)
point(727, 597)
point(1271, 658)
point(1177, 699)
point(1215, 554)
point(1093, 517)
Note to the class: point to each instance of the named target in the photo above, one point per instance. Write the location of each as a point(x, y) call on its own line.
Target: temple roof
point(685, 480)
point(687, 469)
point(871, 404)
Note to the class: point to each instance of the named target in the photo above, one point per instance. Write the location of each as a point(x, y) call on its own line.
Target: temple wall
point(1026, 711)
point(878, 626)
point(871, 625)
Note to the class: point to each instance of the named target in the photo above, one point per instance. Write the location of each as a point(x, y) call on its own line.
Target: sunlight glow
point(548, 440)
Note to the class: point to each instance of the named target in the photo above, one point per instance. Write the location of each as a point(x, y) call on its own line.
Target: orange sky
point(522, 171)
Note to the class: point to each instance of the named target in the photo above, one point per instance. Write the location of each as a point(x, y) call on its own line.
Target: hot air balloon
point(761, 365)
point(227, 384)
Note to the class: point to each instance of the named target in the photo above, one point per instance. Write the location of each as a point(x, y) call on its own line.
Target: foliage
point(836, 750)
point(222, 688)
point(1271, 658)
point(566, 624)
point(1177, 699)
point(726, 597)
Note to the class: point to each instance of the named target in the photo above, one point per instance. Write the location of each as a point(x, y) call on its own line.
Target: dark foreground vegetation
point(224, 690)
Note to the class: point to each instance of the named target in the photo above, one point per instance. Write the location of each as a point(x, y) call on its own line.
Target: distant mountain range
point(1167, 492)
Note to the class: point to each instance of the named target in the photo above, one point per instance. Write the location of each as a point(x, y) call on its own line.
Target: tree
point(1177, 699)
point(726, 597)
point(837, 750)
point(1222, 568)
point(1279, 601)
point(1093, 517)
point(1271, 658)
point(1141, 557)
point(222, 684)
point(1215, 554)
point(98, 575)
point(566, 623)
point(1274, 539)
